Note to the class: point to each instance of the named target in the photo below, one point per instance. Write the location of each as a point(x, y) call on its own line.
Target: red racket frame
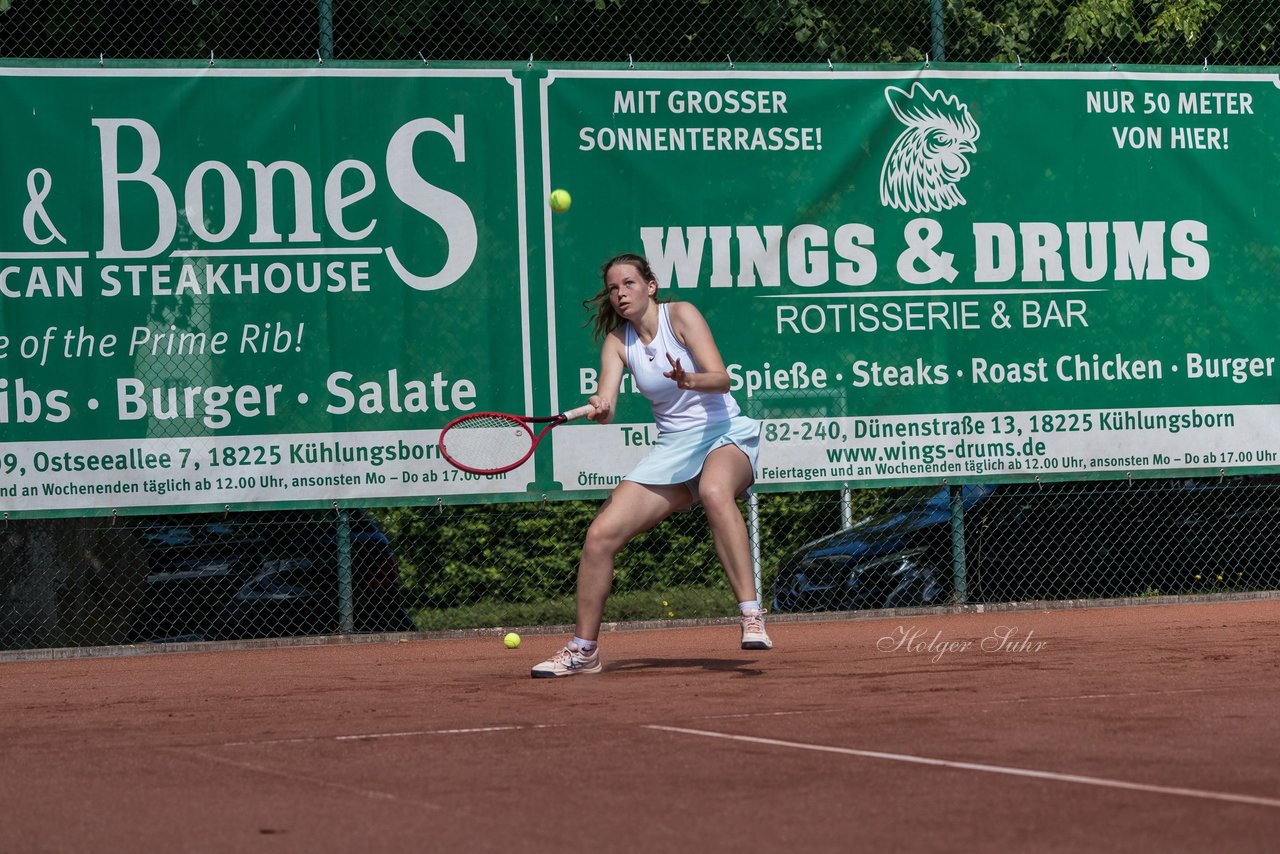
point(524, 421)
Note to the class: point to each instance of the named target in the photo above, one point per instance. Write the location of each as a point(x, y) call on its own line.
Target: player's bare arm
point(693, 332)
point(612, 363)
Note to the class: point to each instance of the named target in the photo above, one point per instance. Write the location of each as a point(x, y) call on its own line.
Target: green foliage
point(462, 555)
point(1183, 23)
point(1130, 31)
point(1093, 24)
point(516, 564)
point(1183, 32)
point(676, 603)
point(528, 553)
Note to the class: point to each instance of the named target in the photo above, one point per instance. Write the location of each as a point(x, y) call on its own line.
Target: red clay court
point(1132, 728)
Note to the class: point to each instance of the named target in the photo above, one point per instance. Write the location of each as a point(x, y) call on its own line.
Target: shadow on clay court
point(724, 665)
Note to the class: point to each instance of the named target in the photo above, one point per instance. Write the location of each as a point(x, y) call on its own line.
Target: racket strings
point(487, 442)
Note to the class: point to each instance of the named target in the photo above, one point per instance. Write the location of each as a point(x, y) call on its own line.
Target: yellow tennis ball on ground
point(560, 200)
point(511, 640)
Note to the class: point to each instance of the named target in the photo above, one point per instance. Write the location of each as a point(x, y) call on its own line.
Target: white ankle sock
point(583, 645)
point(749, 606)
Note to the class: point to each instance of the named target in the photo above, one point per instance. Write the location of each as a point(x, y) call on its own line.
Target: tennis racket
point(496, 442)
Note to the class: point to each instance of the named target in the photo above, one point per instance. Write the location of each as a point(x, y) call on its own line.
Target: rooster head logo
point(928, 158)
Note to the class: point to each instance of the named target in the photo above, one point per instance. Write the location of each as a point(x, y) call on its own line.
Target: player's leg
point(726, 473)
point(632, 509)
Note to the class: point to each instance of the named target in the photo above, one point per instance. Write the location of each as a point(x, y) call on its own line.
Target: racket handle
point(578, 412)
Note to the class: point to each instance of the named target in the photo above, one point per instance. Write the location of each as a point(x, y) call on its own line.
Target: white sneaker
point(753, 634)
point(568, 662)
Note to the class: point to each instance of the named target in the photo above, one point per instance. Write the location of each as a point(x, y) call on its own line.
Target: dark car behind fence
point(998, 543)
point(267, 574)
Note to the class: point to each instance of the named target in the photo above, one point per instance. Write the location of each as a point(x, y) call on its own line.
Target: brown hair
point(602, 317)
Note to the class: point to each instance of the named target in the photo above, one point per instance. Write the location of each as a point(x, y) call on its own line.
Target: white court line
point(766, 714)
point(468, 730)
point(256, 768)
point(370, 736)
point(990, 769)
point(1066, 697)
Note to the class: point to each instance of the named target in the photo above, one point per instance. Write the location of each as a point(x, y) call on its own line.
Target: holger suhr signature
point(1002, 639)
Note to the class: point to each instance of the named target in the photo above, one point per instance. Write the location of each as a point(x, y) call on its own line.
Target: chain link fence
point(86, 582)
point(696, 31)
point(68, 582)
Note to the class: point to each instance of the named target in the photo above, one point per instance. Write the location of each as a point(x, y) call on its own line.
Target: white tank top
point(674, 408)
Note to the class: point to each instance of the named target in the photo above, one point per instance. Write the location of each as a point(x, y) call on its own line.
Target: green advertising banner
point(229, 286)
point(959, 274)
point(247, 286)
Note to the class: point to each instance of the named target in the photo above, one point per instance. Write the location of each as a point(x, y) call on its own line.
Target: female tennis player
point(706, 450)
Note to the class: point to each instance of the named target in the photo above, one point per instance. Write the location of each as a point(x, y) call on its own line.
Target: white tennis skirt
point(678, 457)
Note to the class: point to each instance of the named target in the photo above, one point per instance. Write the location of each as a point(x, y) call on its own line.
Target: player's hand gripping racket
point(495, 442)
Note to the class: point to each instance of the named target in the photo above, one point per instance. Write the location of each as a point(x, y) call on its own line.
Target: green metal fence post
point(325, 11)
point(935, 19)
point(346, 621)
point(957, 544)
point(753, 531)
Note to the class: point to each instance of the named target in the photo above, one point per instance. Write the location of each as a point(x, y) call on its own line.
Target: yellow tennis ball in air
point(511, 640)
point(560, 200)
